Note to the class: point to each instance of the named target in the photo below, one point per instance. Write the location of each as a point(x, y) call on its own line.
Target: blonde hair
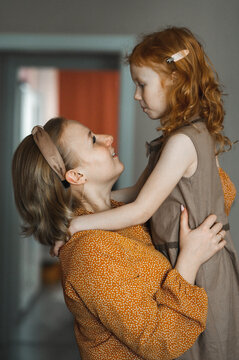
point(45, 206)
point(196, 90)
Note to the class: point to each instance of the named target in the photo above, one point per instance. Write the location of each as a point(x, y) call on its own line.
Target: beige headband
point(50, 152)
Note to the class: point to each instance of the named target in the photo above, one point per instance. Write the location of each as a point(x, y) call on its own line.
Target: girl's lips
point(144, 108)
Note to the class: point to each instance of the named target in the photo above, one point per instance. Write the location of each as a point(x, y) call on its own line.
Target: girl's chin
point(159, 117)
point(151, 114)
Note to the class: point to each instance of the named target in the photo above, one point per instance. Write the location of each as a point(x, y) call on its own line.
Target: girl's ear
point(174, 76)
point(75, 178)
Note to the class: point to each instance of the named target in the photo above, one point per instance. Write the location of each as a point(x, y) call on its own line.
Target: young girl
point(175, 83)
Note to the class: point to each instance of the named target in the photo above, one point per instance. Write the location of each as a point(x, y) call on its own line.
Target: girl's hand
point(73, 228)
point(199, 245)
point(76, 225)
point(54, 250)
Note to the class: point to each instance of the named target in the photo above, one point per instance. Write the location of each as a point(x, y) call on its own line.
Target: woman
point(127, 301)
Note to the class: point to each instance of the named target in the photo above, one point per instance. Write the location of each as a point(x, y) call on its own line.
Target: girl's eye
point(93, 139)
point(141, 85)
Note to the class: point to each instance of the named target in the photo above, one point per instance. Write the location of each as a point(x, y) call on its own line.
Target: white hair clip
point(178, 56)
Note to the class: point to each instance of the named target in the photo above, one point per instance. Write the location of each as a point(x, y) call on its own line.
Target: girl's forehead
point(135, 69)
point(142, 71)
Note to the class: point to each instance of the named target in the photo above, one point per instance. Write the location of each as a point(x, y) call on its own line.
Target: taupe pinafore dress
point(202, 195)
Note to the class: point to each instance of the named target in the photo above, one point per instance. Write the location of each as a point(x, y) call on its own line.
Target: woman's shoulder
point(105, 241)
point(88, 244)
point(89, 247)
point(90, 241)
point(92, 238)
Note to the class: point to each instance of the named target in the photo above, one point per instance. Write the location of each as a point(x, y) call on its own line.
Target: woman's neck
point(94, 200)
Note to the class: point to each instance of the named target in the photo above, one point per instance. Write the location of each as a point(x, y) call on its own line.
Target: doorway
point(50, 57)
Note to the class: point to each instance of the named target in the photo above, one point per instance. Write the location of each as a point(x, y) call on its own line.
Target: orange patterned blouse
point(127, 301)
point(229, 190)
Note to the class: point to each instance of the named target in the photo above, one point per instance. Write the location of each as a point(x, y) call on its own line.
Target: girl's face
point(93, 152)
point(151, 90)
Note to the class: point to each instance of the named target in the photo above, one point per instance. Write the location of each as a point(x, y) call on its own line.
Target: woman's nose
point(107, 139)
point(137, 94)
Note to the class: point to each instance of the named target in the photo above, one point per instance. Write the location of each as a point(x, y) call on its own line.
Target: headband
point(50, 152)
point(178, 56)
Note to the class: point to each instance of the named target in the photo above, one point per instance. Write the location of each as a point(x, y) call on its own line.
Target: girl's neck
point(194, 117)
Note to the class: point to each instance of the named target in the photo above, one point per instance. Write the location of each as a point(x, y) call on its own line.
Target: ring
point(221, 236)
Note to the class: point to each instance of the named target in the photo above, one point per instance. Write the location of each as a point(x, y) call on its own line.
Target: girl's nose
point(137, 94)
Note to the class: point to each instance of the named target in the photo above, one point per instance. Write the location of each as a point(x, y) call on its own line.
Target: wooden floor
point(46, 332)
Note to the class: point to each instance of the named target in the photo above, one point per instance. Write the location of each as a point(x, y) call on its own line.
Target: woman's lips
point(113, 155)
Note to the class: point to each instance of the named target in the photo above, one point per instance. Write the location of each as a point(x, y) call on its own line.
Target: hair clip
point(178, 56)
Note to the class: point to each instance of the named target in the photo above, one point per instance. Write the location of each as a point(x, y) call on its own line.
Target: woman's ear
point(75, 178)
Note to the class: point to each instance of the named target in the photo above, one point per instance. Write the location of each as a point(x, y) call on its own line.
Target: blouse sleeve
point(163, 325)
point(229, 190)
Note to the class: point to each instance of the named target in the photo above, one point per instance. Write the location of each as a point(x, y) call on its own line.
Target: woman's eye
point(93, 139)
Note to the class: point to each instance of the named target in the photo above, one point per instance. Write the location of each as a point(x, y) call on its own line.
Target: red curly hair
point(197, 89)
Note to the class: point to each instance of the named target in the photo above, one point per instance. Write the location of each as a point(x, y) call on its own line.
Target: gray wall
point(214, 21)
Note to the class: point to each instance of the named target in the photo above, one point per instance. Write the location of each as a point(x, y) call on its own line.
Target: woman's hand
point(199, 245)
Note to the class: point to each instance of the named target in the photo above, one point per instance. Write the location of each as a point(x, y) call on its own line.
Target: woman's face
point(94, 153)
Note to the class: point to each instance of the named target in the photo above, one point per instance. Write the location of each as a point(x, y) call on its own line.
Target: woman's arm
point(177, 156)
point(161, 324)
